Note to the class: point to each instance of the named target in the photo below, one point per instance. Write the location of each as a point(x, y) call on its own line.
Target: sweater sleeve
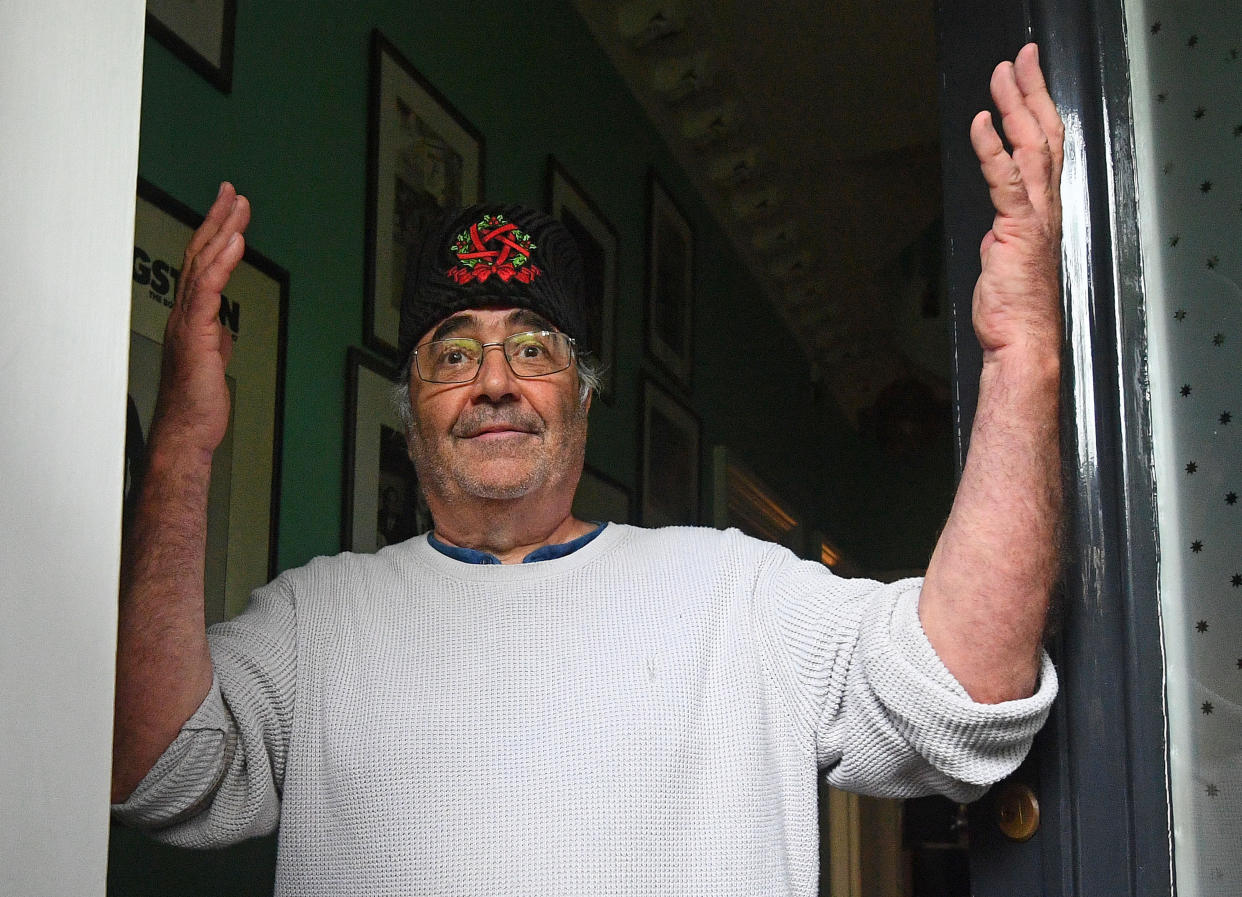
point(869, 696)
point(219, 782)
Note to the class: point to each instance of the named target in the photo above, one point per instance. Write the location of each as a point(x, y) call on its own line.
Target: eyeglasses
point(534, 353)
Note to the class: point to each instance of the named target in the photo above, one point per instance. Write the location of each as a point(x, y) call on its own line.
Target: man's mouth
point(496, 429)
point(498, 432)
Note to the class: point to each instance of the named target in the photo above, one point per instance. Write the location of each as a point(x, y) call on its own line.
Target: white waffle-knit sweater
point(644, 716)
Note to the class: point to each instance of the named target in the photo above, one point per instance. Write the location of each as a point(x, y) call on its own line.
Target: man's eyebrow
point(455, 324)
point(527, 318)
point(520, 317)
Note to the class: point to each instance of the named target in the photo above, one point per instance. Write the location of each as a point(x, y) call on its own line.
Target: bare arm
point(163, 665)
point(986, 593)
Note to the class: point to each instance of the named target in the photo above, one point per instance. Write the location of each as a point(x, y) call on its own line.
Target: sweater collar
point(543, 553)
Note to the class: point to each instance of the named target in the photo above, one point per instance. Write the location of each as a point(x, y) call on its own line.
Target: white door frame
point(70, 93)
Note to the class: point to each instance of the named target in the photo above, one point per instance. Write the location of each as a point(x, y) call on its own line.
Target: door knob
point(1017, 811)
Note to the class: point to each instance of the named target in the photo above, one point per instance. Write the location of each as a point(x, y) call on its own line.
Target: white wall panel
point(70, 90)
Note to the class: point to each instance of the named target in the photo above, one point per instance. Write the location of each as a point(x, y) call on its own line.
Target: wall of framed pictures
point(295, 133)
point(498, 97)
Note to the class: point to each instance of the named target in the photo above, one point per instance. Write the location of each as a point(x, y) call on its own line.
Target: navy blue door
point(1098, 769)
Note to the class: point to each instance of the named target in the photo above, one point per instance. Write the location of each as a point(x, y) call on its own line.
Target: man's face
point(499, 436)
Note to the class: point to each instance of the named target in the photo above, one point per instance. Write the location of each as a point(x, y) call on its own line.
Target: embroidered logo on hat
point(493, 245)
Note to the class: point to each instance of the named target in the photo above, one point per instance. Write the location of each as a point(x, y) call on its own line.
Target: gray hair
point(590, 378)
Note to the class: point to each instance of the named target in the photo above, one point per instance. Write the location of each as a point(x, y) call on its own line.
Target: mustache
point(475, 420)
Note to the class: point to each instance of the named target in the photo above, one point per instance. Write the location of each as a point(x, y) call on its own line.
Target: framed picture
point(199, 33)
point(243, 501)
point(600, 498)
point(740, 499)
point(383, 503)
point(669, 459)
point(598, 242)
point(423, 156)
point(670, 283)
point(827, 552)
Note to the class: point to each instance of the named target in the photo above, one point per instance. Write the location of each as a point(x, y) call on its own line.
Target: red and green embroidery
point(493, 246)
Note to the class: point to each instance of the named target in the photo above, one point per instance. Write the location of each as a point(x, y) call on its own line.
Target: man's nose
point(496, 379)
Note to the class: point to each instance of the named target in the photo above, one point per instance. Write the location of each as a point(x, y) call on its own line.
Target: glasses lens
point(538, 352)
point(449, 360)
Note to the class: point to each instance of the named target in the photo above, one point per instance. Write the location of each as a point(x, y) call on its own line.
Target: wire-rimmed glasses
point(458, 359)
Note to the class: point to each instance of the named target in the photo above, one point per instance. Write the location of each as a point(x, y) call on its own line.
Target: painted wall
point(292, 136)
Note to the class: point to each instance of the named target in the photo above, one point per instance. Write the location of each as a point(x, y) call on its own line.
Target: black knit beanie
point(493, 254)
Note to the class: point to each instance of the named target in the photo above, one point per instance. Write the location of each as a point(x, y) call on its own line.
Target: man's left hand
point(1016, 299)
point(985, 596)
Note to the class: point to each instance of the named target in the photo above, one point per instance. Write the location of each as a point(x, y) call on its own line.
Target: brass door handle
point(1017, 811)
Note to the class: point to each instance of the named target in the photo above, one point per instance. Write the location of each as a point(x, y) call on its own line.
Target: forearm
point(163, 668)
point(163, 664)
point(985, 597)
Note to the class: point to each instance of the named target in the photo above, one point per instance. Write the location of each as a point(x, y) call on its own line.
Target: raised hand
point(192, 410)
point(163, 665)
point(1017, 296)
point(985, 597)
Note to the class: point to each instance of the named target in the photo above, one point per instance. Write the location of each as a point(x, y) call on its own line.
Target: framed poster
point(669, 471)
point(382, 502)
point(423, 156)
point(598, 242)
point(243, 502)
point(670, 283)
point(199, 33)
point(600, 498)
point(740, 499)
point(827, 552)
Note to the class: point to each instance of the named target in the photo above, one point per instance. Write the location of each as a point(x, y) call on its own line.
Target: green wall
point(292, 136)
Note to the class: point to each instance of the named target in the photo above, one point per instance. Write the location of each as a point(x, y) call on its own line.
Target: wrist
point(1036, 362)
point(169, 454)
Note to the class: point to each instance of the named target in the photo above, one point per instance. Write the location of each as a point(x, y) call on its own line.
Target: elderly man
point(526, 703)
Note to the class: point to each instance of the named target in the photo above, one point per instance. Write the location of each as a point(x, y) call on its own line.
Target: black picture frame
point(669, 459)
point(600, 246)
point(669, 307)
point(741, 499)
point(200, 34)
point(376, 464)
point(601, 498)
point(422, 156)
point(244, 501)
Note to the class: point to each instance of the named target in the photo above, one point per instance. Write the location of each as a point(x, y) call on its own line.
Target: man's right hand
point(163, 664)
point(192, 411)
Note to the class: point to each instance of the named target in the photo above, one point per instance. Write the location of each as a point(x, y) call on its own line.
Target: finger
point(217, 226)
point(202, 304)
point(216, 215)
point(1031, 151)
point(1034, 87)
point(238, 218)
point(1005, 182)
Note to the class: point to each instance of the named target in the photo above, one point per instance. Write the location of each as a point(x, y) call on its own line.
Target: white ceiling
point(812, 131)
